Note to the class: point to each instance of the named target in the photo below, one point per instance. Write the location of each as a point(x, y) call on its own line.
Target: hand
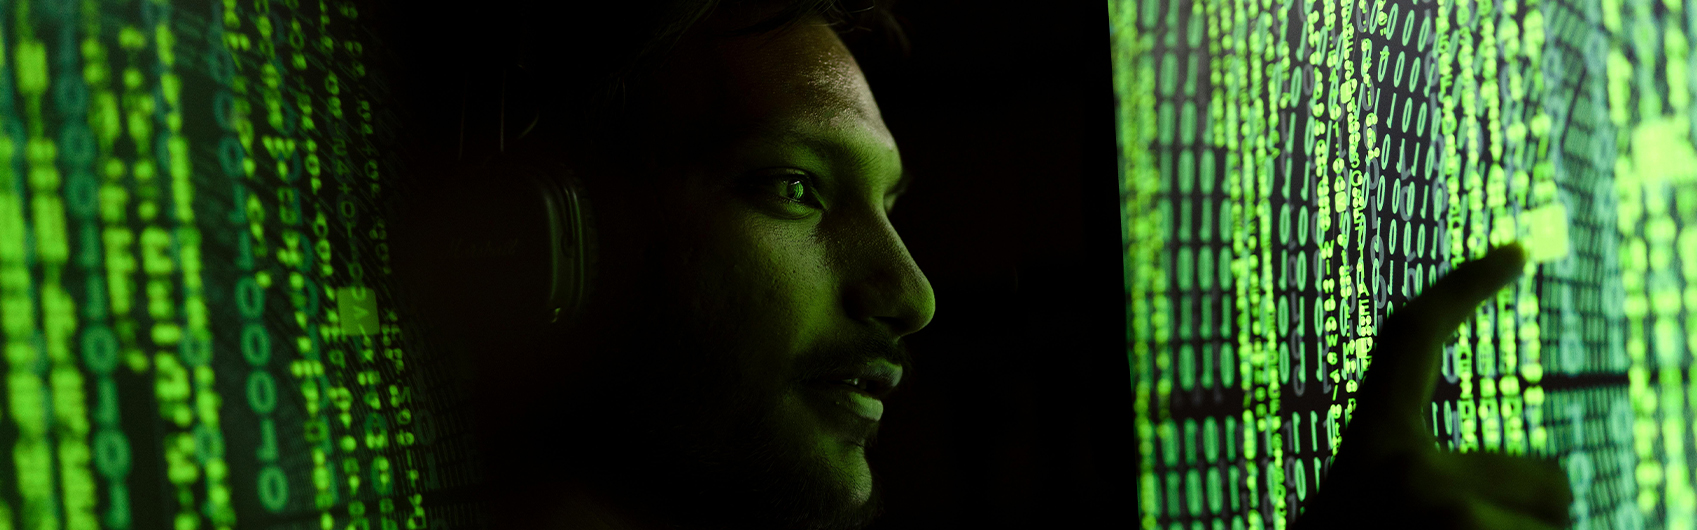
point(1388, 471)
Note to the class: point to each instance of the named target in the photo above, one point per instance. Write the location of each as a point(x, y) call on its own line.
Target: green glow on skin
point(756, 244)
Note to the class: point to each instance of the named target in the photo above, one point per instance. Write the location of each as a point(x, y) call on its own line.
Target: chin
point(860, 485)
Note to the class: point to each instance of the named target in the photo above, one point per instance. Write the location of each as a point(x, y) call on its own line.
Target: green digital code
point(1292, 172)
point(195, 300)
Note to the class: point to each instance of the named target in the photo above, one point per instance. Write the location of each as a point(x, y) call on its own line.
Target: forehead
point(799, 81)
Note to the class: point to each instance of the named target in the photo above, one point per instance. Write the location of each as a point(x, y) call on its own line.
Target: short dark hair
point(471, 82)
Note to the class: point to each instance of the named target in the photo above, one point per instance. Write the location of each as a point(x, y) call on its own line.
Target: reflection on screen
point(1293, 171)
point(198, 329)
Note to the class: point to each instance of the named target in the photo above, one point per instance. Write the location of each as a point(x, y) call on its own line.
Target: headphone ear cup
point(572, 234)
point(503, 253)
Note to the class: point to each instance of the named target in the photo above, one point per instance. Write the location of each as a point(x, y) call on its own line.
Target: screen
point(1293, 171)
point(195, 298)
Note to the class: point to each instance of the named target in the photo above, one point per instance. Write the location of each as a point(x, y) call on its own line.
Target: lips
point(873, 380)
point(856, 395)
point(855, 401)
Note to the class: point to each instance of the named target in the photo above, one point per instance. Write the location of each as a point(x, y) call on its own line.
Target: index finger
point(1398, 384)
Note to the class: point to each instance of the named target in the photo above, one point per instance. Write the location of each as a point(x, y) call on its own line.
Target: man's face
point(755, 271)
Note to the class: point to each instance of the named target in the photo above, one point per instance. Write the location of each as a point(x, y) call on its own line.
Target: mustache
point(853, 353)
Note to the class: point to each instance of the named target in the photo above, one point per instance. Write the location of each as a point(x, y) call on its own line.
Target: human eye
point(792, 191)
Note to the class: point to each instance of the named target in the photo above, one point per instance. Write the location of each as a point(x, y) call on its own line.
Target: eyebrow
point(838, 152)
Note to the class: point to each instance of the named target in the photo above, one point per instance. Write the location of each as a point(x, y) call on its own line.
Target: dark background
point(1018, 412)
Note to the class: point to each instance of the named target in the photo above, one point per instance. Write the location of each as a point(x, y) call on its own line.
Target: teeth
point(855, 382)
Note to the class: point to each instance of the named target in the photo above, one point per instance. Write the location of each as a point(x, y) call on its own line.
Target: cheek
point(790, 276)
point(763, 282)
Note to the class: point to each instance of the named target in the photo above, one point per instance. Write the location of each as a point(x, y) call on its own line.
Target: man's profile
point(750, 297)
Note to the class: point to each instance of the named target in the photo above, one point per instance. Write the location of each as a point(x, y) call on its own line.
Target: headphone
point(500, 247)
point(508, 244)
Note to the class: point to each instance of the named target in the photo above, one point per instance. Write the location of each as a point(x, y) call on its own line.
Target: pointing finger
point(1405, 359)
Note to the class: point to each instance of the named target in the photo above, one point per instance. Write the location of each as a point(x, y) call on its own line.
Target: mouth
point(854, 400)
point(856, 394)
point(875, 379)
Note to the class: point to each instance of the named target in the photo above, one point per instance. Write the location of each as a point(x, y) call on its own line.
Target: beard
point(664, 401)
point(677, 425)
point(710, 450)
point(691, 437)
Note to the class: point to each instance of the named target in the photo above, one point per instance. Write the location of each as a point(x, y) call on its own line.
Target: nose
point(883, 284)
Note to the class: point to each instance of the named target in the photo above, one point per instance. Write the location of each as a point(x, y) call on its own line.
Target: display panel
point(195, 294)
point(1292, 172)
